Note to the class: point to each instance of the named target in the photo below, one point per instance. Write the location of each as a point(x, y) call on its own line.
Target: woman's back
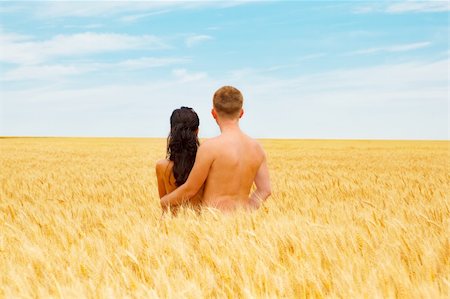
point(164, 171)
point(166, 184)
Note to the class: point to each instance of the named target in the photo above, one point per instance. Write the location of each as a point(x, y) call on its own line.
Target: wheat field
point(80, 218)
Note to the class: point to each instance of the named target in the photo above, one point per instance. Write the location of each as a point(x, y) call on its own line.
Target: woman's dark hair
point(182, 142)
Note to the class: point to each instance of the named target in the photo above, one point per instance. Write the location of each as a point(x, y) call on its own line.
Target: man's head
point(227, 103)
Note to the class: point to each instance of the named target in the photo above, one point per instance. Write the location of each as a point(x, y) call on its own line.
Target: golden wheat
point(80, 217)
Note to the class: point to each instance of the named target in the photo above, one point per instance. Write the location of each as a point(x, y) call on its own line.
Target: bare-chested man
point(228, 164)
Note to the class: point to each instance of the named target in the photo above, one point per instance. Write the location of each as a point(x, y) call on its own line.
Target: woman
point(182, 145)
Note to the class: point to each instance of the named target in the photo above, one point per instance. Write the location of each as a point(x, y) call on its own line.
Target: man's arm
point(262, 183)
point(197, 177)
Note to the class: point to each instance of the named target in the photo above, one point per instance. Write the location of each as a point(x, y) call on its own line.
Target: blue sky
point(323, 69)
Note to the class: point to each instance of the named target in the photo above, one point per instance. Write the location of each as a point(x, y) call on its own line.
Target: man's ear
point(214, 113)
point(242, 113)
point(196, 131)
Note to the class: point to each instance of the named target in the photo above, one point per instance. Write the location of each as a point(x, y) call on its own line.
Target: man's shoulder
point(210, 142)
point(257, 149)
point(209, 148)
point(253, 142)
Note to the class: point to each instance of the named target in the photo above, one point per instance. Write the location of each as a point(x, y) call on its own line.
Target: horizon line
point(259, 138)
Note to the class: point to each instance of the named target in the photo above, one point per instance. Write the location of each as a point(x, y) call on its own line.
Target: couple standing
point(220, 172)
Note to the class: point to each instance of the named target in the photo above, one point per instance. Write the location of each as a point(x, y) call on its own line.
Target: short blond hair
point(228, 101)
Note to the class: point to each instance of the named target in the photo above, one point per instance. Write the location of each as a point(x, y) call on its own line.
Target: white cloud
point(393, 48)
point(405, 7)
point(87, 26)
point(398, 78)
point(24, 50)
point(60, 9)
point(149, 62)
point(419, 6)
point(10, 37)
point(297, 63)
point(10, 7)
point(184, 76)
point(134, 17)
point(43, 72)
point(364, 9)
point(408, 47)
point(59, 71)
point(194, 40)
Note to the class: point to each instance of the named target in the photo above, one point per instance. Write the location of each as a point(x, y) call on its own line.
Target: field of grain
point(80, 217)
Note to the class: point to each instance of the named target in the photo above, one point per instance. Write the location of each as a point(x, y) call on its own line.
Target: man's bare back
point(236, 161)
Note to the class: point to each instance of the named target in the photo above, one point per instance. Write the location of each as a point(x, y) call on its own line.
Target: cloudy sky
point(323, 69)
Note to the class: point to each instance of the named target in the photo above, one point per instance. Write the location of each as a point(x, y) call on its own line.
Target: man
point(228, 164)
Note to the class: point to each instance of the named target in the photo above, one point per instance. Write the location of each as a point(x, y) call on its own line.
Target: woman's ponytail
point(182, 143)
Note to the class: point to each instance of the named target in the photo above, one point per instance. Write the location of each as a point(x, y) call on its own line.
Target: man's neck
point(228, 125)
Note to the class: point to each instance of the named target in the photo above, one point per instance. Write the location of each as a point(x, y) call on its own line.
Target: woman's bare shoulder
point(162, 164)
